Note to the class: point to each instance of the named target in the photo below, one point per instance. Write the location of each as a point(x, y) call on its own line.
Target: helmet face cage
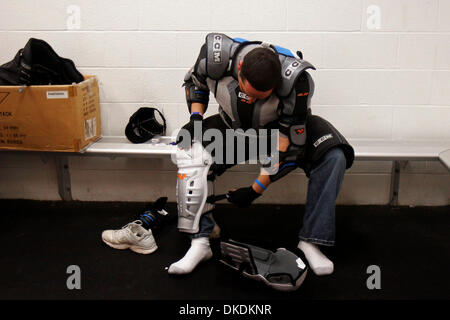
point(144, 125)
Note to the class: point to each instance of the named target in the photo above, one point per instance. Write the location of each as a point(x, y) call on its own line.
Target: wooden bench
point(399, 152)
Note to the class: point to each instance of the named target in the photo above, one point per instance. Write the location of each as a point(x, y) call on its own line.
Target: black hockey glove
point(243, 197)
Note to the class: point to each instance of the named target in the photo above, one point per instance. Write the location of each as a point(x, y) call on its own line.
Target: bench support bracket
point(397, 165)
point(63, 175)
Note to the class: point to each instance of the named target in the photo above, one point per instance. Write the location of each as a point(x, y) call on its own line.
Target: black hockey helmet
point(144, 124)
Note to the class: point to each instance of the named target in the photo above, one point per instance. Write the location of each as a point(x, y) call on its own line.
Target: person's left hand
point(242, 197)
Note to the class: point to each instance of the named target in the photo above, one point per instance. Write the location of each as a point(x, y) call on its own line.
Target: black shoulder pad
point(291, 68)
point(218, 48)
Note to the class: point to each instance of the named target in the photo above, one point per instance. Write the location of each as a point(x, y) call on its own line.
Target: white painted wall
point(383, 71)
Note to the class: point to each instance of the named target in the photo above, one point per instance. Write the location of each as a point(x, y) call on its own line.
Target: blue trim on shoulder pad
point(284, 51)
point(240, 40)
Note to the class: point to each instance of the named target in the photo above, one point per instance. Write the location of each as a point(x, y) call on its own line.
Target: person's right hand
point(186, 133)
point(242, 197)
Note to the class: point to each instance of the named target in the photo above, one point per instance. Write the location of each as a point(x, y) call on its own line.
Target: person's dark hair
point(262, 68)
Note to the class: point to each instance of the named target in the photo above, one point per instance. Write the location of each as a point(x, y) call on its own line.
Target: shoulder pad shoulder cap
point(218, 51)
point(291, 68)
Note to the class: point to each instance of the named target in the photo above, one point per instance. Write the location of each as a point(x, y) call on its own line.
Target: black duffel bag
point(38, 64)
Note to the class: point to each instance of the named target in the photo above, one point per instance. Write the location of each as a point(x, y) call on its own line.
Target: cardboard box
point(63, 118)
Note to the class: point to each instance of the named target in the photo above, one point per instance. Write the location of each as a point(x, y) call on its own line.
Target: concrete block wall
point(383, 72)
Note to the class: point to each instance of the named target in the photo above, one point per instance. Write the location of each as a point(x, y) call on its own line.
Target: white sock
point(198, 252)
point(320, 264)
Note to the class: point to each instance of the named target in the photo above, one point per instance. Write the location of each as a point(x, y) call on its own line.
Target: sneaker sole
point(136, 249)
point(116, 246)
point(142, 250)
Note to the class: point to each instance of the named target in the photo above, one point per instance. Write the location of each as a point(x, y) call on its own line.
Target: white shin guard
point(193, 186)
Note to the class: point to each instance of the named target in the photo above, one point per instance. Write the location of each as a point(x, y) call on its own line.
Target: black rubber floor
point(40, 240)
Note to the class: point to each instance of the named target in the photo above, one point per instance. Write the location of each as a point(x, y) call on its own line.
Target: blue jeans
point(323, 188)
point(206, 226)
point(325, 181)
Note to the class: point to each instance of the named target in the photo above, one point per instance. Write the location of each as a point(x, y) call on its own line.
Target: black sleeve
point(196, 88)
point(199, 70)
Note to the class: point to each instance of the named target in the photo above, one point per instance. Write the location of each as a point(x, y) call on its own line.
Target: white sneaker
point(132, 236)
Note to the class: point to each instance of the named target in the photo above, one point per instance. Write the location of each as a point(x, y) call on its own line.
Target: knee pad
point(281, 270)
point(193, 186)
point(322, 136)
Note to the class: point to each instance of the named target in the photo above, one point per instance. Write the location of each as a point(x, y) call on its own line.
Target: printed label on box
point(11, 135)
point(58, 94)
point(90, 128)
point(3, 96)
